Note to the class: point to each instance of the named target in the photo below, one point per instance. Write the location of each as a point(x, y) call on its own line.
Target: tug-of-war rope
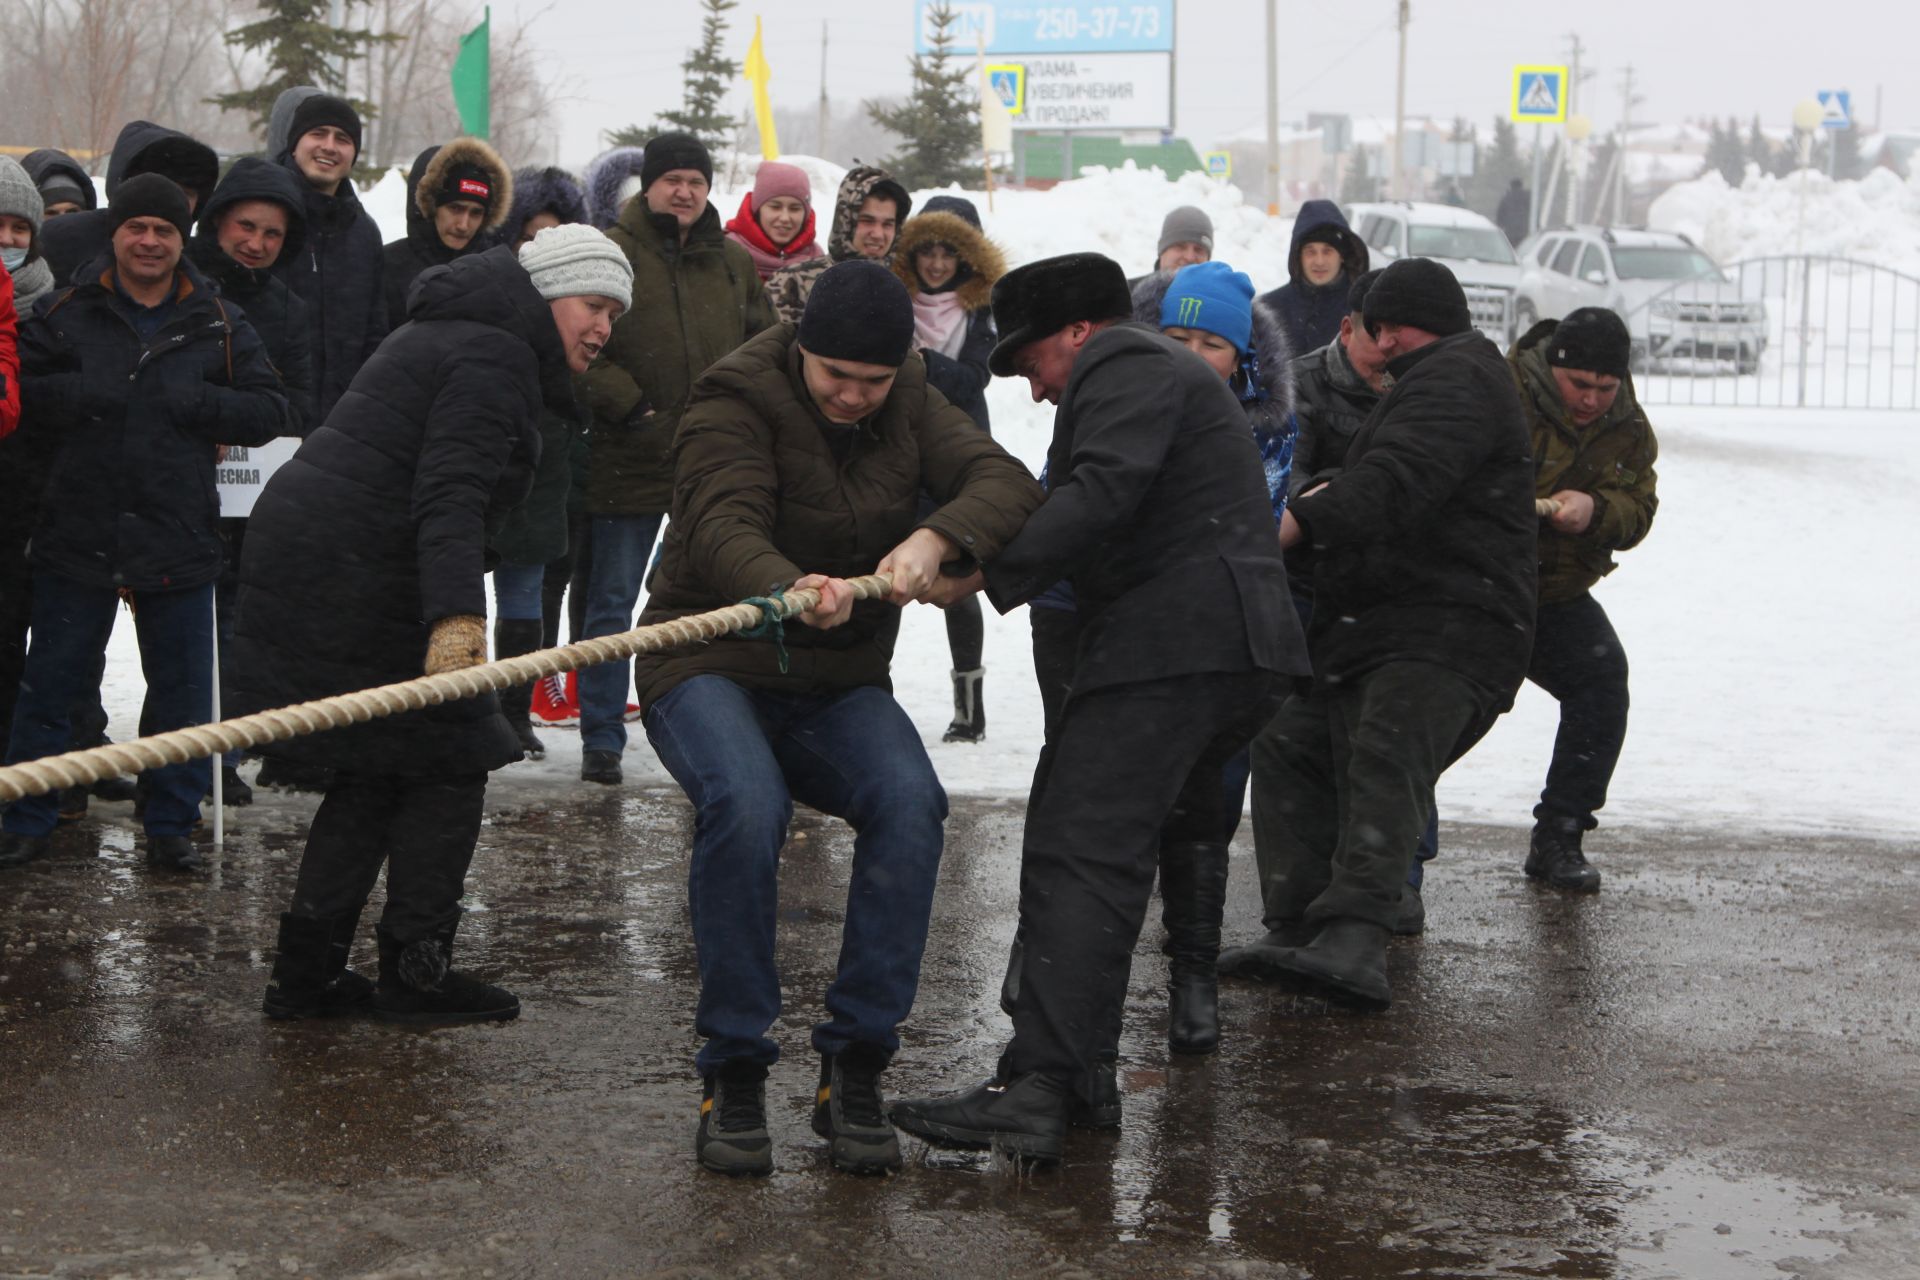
point(83, 768)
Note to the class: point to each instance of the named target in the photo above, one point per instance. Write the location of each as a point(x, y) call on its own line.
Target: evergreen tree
point(1725, 153)
point(1760, 148)
point(1499, 165)
point(709, 73)
point(940, 119)
point(1356, 187)
point(302, 49)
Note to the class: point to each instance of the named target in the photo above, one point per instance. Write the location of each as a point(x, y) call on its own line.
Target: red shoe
point(555, 703)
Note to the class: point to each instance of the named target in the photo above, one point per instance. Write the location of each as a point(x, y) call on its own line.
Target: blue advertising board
point(1052, 26)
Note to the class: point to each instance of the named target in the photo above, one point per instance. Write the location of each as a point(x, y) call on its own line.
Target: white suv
point(1677, 303)
point(1470, 246)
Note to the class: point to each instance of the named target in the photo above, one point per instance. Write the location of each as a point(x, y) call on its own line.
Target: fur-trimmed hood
point(980, 257)
point(862, 180)
point(606, 175)
point(543, 190)
point(431, 166)
point(1271, 354)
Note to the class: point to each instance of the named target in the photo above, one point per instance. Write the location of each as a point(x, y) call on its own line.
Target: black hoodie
point(1311, 312)
point(377, 528)
point(72, 242)
point(276, 314)
point(46, 161)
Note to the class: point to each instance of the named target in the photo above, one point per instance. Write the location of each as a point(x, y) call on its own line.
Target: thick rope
point(197, 742)
point(1544, 507)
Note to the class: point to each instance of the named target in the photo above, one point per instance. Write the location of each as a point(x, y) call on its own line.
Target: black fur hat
point(1044, 297)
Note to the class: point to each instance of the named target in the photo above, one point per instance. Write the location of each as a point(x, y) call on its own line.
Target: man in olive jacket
point(800, 462)
point(1423, 602)
point(1593, 454)
point(696, 296)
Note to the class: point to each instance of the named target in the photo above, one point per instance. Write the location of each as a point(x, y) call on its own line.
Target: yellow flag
point(758, 73)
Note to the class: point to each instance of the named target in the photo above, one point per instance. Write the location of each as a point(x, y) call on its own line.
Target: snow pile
point(1876, 219)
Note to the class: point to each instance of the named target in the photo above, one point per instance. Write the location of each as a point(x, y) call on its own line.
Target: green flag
point(472, 74)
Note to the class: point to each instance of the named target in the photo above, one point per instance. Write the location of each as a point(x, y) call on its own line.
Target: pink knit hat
point(776, 179)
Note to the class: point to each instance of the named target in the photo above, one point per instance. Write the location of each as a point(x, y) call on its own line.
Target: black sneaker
point(602, 767)
point(732, 1137)
point(849, 1113)
point(1555, 859)
point(1024, 1117)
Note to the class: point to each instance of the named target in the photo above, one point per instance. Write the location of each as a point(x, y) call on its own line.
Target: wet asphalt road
point(1710, 1070)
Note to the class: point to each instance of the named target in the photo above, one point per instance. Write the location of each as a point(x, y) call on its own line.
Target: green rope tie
point(772, 623)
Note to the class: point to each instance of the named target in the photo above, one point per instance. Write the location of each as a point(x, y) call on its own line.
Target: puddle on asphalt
point(1682, 1220)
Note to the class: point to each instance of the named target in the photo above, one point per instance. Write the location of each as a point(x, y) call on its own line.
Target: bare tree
point(410, 80)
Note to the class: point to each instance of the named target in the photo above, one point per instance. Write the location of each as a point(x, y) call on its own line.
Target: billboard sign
point(1098, 91)
point(1056, 26)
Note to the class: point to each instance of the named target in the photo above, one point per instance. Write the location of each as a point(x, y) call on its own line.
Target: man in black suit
point(1158, 516)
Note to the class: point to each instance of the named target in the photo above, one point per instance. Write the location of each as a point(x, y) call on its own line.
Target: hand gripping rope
point(83, 768)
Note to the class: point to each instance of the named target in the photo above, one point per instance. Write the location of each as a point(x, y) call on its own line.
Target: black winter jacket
point(1333, 402)
point(338, 275)
point(1157, 513)
point(1424, 543)
point(276, 314)
point(134, 426)
point(73, 242)
point(377, 528)
point(1311, 313)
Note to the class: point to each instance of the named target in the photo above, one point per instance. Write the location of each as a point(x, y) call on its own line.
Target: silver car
point(1678, 304)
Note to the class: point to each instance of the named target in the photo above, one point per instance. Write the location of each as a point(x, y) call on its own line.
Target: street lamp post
point(1578, 130)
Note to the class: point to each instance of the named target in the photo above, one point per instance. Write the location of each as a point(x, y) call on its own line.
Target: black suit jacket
point(1158, 514)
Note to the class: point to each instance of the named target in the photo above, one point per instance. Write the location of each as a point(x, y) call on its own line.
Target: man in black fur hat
point(1158, 515)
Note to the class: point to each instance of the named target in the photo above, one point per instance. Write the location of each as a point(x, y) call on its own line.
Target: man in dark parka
point(72, 243)
point(365, 562)
point(1323, 260)
point(138, 375)
point(1423, 550)
point(1158, 514)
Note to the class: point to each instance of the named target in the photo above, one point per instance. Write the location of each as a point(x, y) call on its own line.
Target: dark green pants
point(1343, 786)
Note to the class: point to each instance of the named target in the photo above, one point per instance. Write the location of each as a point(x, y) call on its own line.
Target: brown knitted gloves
point(459, 641)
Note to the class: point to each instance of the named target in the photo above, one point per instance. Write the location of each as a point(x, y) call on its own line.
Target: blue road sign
point(1539, 95)
point(1836, 109)
point(1057, 26)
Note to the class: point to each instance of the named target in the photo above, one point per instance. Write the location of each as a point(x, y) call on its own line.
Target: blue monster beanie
point(1211, 296)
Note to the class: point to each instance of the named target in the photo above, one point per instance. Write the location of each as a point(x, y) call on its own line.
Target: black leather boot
point(1193, 897)
point(1348, 961)
point(310, 975)
point(418, 984)
point(969, 712)
point(1554, 856)
point(1024, 1117)
point(511, 638)
point(1260, 960)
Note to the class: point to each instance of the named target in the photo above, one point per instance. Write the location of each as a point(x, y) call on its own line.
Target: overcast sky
point(619, 63)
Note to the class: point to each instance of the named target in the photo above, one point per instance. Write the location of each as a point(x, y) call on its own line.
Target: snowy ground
point(1766, 618)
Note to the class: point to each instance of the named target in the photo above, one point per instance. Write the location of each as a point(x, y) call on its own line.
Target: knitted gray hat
point(574, 259)
point(18, 196)
point(1186, 225)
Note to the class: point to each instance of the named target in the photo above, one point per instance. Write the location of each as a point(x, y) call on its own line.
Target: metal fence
point(1783, 332)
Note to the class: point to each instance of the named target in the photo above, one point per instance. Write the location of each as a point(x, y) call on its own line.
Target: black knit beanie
point(1357, 296)
point(1422, 293)
point(859, 311)
point(324, 109)
point(1593, 339)
point(471, 182)
point(148, 195)
point(672, 151)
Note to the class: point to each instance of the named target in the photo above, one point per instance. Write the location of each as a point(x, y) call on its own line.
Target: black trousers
point(1343, 787)
point(1129, 766)
point(424, 831)
point(1578, 659)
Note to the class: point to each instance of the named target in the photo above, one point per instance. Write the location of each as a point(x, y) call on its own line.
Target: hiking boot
point(1554, 857)
point(310, 975)
point(1260, 961)
point(419, 986)
point(850, 1114)
point(176, 853)
point(1193, 897)
point(1024, 1117)
point(1347, 961)
point(969, 712)
point(18, 850)
point(511, 638)
point(602, 767)
point(1412, 921)
point(732, 1137)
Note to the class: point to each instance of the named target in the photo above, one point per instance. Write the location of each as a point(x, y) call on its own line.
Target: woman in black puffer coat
point(364, 562)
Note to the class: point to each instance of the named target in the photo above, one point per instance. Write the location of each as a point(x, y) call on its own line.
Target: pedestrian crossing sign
point(1539, 95)
point(1009, 83)
point(1836, 109)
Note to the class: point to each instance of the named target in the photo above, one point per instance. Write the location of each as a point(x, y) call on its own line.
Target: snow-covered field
point(1766, 617)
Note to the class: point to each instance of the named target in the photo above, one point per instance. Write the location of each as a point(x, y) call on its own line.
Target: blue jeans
point(71, 623)
point(516, 592)
point(743, 756)
point(621, 546)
